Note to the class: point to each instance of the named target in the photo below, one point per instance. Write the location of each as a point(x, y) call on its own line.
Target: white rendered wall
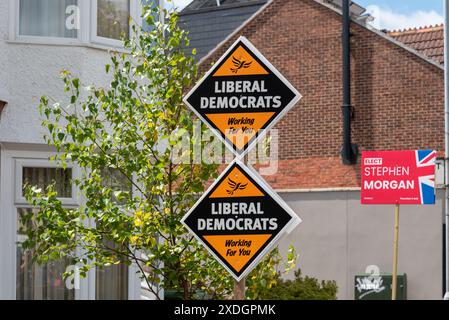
point(28, 71)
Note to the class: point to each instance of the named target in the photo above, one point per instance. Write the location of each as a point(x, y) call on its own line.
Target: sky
point(402, 14)
point(393, 14)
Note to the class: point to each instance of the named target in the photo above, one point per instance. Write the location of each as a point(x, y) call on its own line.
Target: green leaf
point(76, 83)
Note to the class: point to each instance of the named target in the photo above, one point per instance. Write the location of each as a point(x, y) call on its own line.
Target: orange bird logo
point(235, 186)
point(239, 64)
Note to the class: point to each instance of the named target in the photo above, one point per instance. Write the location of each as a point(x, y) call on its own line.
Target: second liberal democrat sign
point(398, 177)
point(239, 219)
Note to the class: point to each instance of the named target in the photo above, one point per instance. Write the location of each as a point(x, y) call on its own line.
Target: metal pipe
point(349, 156)
point(446, 119)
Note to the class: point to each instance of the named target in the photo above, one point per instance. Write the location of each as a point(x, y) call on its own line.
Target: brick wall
point(398, 97)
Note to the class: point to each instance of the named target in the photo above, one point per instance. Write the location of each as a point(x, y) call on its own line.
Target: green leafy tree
point(131, 130)
point(125, 139)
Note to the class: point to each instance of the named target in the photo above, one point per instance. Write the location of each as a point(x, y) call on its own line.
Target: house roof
point(356, 9)
point(427, 40)
point(209, 24)
point(203, 4)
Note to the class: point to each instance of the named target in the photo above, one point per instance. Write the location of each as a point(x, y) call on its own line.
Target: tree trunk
point(239, 289)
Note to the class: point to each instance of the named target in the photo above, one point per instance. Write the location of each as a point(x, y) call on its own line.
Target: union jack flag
point(425, 164)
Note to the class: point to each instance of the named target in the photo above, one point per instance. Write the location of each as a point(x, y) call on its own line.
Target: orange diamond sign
point(242, 96)
point(239, 219)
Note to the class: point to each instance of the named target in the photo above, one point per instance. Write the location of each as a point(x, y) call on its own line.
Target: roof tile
point(427, 40)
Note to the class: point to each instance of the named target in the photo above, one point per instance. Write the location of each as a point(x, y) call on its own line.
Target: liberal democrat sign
point(239, 219)
point(398, 177)
point(242, 96)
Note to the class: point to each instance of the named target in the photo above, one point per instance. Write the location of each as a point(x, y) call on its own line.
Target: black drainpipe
point(349, 150)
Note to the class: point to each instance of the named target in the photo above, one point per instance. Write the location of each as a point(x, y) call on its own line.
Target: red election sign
point(398, 177)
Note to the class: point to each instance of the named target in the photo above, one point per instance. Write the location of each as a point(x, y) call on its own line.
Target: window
point(47, 18)
point(34, 281)
point(43, 177)
point(100, 22)
point(113, 19)
point(38, 282)
point(116, 181)
point(20, 278)
point(111, 283)
point(42, 173)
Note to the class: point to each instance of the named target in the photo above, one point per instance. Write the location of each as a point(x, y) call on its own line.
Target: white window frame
point(12, 158)
point(86, 35)
point(19, 163)
point(11, 162)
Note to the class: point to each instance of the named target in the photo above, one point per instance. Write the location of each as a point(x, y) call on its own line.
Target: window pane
point(48, 18)
point(111, 282)
point(116, 181)
point(39, 282)
point(113, 19)
point(43, 177)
